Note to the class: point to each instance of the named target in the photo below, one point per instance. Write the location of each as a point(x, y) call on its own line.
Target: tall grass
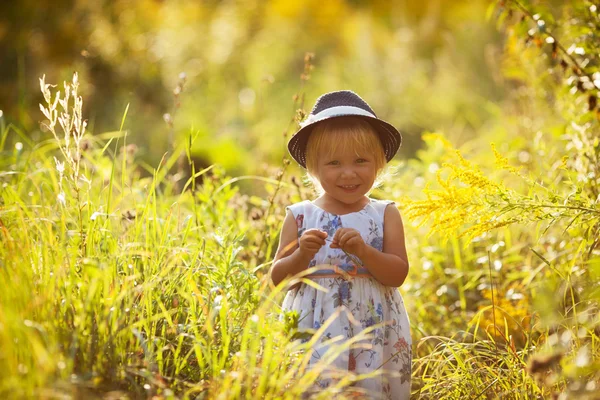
point(123, 280)
point(512, 312)
point(118, 285)
point(115, 283)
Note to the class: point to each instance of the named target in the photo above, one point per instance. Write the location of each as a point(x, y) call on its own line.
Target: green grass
point(122, 280)
point(125, 286)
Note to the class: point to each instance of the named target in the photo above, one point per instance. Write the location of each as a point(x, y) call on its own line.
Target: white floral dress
point(363, 297)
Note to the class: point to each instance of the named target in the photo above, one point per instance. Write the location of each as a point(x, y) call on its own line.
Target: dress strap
point(380, 206)
point(299, 211)
point(297, 208)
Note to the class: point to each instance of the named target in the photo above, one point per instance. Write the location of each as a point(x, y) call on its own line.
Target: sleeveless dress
point(361, 302)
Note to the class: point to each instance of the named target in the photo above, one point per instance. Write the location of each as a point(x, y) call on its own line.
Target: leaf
point(541, 257)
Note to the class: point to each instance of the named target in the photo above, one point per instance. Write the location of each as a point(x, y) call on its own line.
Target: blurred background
point(503, 236)
point(422, 65)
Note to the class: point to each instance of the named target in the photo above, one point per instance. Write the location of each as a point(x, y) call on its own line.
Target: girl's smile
point(350, 188)
point(346, 176)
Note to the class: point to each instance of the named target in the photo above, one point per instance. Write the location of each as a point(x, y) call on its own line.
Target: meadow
point(126, 279)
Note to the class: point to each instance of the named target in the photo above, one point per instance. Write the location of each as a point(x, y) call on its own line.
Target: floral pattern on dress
point(331, 225)
point(300, 224)
point(363, 301)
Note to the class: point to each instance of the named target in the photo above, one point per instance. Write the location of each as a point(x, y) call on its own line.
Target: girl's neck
point(335, 206)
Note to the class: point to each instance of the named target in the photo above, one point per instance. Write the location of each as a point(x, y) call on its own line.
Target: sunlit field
point(135, 250)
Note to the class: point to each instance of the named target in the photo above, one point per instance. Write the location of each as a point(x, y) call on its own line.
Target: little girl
point(358, 242)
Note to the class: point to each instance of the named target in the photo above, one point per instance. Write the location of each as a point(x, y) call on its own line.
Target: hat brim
point(390, 137)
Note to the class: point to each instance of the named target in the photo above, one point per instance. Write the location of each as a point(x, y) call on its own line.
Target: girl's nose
point(348, 172)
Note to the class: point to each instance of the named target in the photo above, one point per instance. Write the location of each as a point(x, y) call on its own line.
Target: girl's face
point(346, 176)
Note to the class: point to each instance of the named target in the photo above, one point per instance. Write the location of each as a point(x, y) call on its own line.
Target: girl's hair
point(343, 133)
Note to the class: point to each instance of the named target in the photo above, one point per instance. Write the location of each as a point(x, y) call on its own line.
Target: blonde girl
point(358, 243)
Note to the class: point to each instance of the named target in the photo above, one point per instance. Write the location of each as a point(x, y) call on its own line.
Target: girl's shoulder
point(380, 205)
point(374, 207)
point(299, 207)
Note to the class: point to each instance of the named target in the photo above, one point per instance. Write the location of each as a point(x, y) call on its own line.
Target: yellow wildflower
point(502, 162)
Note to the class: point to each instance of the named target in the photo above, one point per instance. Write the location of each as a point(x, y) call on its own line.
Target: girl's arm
point(389, 267)
point(289, 260)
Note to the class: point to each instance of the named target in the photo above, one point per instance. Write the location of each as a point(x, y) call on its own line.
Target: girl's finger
point(336, 236)
point(353, 241)
point(315, 239)
point(341, 231)
point(313, 246)
point(345, 237)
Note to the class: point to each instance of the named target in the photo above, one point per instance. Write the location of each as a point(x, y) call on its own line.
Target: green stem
point(590, 210)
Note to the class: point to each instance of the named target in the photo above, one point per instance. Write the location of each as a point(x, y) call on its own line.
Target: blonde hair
point(343, 133)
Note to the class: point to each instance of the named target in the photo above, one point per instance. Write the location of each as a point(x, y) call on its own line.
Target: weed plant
point(122, 280)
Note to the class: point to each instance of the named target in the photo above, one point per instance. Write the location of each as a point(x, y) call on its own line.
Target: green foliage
point(413, 61)
point(128, 278)
point(513, 229)
point(115, 282)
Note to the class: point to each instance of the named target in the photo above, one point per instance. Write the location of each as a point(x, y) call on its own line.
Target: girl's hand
point(311, 242)
point(350, 241)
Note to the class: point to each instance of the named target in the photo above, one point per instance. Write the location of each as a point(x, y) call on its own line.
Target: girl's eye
point(361, 160)
point(333, 162)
